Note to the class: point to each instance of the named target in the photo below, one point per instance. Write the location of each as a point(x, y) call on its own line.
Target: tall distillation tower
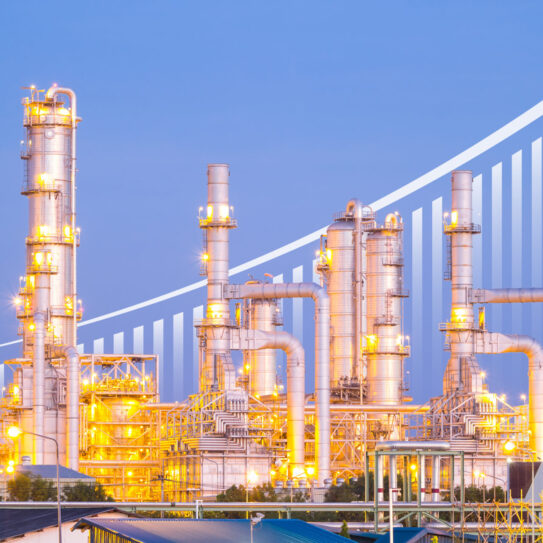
point(48, 307)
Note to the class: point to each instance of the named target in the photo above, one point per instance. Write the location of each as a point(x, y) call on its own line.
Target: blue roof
point(18, 522)
point(209, 531)
point(49, 471)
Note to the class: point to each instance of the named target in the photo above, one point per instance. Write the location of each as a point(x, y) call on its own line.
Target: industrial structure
point(244, 426)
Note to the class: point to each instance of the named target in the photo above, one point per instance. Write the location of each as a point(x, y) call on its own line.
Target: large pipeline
point(495, 343)
point(322, 354)
point(72, 404)
point(250, 340)
point(506, 295)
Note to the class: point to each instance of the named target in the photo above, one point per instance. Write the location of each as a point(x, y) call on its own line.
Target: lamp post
point(14, 432)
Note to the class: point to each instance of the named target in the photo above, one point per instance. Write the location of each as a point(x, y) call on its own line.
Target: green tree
point(42, 490)
point(345, 530)
point(85, 492)
point(19, 488)
point(24, 487)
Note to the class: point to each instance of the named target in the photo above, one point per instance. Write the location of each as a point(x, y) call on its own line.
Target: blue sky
point(310, 102)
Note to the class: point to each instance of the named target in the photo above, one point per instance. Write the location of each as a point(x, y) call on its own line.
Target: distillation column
point(343, 265)
point(385, 349)
point(463, 372)
point(47, 304)
point(216, 371)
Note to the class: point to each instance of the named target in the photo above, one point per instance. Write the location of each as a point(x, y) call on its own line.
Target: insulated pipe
point(436, 462)
point(422, 478)
point(258, 339)
point(380, 478)
point(393, 477)
point(494, 343)
point(38, 403)
point(506, 295)
point(51, 94)
point(413, 445)
point(72, 404)
point(322, 355)
point(356, 210)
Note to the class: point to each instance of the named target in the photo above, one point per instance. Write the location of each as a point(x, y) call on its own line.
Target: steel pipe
point(72, 404)
point(244, 339)
point(38, 403)
point(413, 445)
point(495, 343)
point(322, 354)
point(436, 478)
point(506, 295)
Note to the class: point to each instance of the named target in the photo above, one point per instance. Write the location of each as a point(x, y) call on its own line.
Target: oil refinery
point(244, 426)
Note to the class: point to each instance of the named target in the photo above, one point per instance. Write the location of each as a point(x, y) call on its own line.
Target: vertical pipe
point(436, 478)
point(379, 483)
point(393, 477)
point(38, 404)
point(422, 477)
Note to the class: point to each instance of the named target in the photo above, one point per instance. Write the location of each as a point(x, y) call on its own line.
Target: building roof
point(49, 471)
point(18, 522)
point(210, 531)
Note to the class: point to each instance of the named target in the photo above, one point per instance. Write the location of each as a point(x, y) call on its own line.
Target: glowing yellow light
point(205, 257)
point(483, 374)
point(130, 474)
point(224, 212)
point(11, 463)
point(209, 212)
point(329, 255)
point(247, 367)
point(14, 432)
point(454, 218)
point(413, 467)
point(509, 446)
point(10, 469)
point(38, 258)
point(459, 314)
point(252, 477)
point(31, 326)
point(43, 231)
point(15, 390)
point(86, 382)
point(523, 397)
point(272, 473)
point(17, 300)
point(67, 230)
point(45, 179)
point(310, 470)
point(298, 472)
point(62, 111)
point(503, 397)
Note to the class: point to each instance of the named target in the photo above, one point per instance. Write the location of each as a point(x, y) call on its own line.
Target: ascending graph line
point(500, 135)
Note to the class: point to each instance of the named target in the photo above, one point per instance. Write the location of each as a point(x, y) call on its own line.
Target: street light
point(14, 432)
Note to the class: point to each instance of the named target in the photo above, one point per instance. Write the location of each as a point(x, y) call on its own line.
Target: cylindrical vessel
point(340, 277)
point(48, 304)
point(262, 315)
point(460, 328)
point(384, 344)
point(216, 367)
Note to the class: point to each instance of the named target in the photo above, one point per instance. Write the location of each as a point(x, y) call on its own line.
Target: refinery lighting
point(14, 432)
point(244, 425)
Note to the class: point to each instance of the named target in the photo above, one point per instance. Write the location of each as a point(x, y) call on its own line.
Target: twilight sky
point(311, 102)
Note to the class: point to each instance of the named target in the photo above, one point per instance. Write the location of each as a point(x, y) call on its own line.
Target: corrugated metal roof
point(17, 522)
point(49, 471)
point(210, 531)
